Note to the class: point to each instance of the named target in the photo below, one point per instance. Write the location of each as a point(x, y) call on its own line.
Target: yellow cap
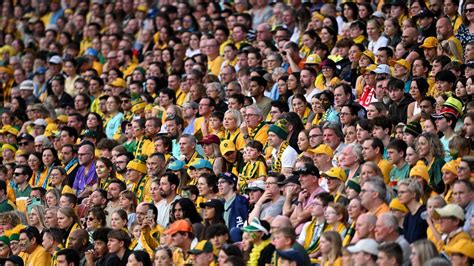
point(119, 82)
point(313, 59)
point(398, 206)
point(137, 165)
point(12, 130)
point(50, 128)
point(430, 42)
point(462, 246)
point(336, 172)
point(404, 63)
point(227, 146)
point(317, 16)
point(369, 68)
point(62, 118)
point(323, 149)
point(369, 54)
point(420, 169)
point(7, 146)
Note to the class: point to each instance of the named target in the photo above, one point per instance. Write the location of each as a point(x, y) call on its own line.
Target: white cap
point(55, 59)
point(382, 69)
point(366, 245)
point(40, 122)
point(27, 85)
point(257, 184)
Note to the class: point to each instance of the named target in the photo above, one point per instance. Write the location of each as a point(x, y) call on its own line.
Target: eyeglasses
point(18, 174)
point(469, 10)
point(23, 143)
point(90, 219)
point(246, 115)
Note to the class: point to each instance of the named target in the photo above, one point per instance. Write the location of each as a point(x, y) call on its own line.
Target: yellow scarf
point(276, 164)
point(256, 252)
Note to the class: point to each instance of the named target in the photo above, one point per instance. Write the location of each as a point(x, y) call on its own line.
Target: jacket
point(239, 211)
point(398, 112)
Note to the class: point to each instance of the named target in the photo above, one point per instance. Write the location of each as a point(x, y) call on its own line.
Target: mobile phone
point(150, 214)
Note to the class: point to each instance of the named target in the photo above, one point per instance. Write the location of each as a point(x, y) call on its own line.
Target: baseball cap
point(27, 85)
point(323, 149)
point(176, 165)
point(336, 173)
point(40, 71)
point(229, 177)
point(118, 82)
point(40, 122)
point(445, 111)
point(369, 54)
point(179, 226)
point(200, 164)
point(313, 59)
point(450, 210)
point(404, 63)
point(462, 246)
point(424, 13)
point(382, 69)
point(203, 246)
point(378, 14)
point(291, 255)
point(430, 42)
point(255, 226)
point(369, 68)
point(227, 146)
point(366, 245)
point(307, 169)
point(90, 133)
point(55, 59)
point(256, 185)
point(209, 139)
point(213, 203)
point(26, 136)
point(294, 179)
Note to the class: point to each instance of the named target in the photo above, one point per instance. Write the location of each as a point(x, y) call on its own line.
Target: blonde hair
point(336, 246)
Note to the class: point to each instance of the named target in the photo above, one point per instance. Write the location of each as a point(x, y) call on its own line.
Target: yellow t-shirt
point(39, 256)
point(386, 167)
point(214, 66)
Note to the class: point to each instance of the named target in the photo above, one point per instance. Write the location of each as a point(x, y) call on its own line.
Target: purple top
point(82, 180)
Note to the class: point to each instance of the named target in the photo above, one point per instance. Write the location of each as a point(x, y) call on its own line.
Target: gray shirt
point(272, 209)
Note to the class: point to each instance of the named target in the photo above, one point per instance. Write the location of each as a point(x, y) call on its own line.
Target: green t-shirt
point(6, 206)
point(25, 193)
point(398, 174)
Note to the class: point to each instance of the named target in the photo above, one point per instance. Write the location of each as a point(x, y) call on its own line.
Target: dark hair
point(120, 235)
point(72, 132)
point(395, 83)
point(25, 168)
point(100, 234)
point(71, 256)
point(55, 233)
point(143, 257)
point(99, 214)
point(189, 210)
point(211, 181)
point(422, 85)
point(325, 198)
point(383, 122)
point(399, 145)
point(392, 249)
point(31, 232)
point(216, 230)
point(171, 94)
point(376, 143)
point(172, 178)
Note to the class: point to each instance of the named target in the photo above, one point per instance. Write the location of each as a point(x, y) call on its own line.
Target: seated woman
point(68, 221)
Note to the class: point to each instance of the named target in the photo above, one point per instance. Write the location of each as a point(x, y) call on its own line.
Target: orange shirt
point(383, 208)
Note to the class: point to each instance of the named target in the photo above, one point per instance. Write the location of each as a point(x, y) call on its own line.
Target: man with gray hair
point(187, 148)
point(190, 111)
point(254, 127)
point(264, 32)
point(333, 136)
point(387, 230)
point(351, 159)
point(373, 194)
